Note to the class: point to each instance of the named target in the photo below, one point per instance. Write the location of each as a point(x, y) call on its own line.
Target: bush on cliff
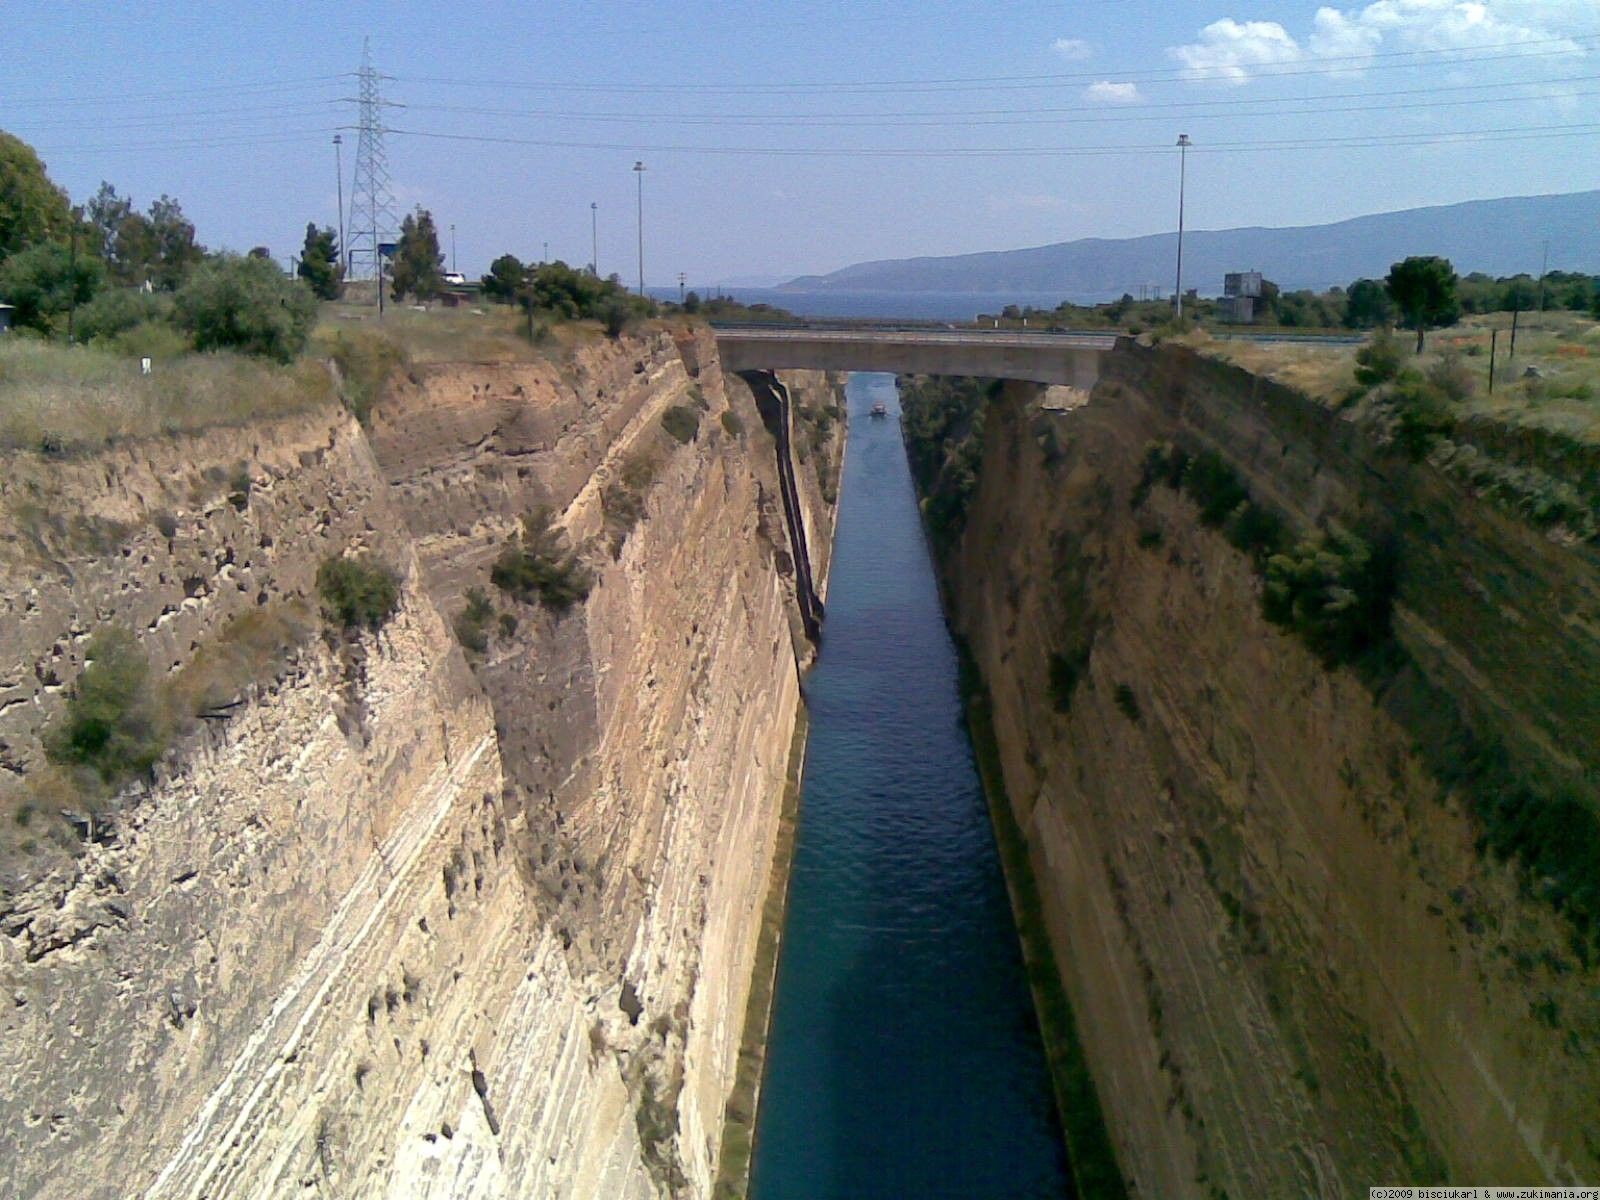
point(472, 622)
point(1379, 360)
point(534, 567)
point(116, 722)
point(247, 304)
point(682, 422)
point(358, 593)
point(1335, 591)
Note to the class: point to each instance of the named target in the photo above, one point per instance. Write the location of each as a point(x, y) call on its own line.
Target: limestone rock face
point(397, 920)
point(1292, 971)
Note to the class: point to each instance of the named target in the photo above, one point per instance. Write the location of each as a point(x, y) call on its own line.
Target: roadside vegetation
point(1429, 288)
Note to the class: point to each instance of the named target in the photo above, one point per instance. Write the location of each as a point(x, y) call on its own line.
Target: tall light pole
point(1183, 163)
point(338, 166)
point(594, 238)
point(452, 247)
point(638, 173)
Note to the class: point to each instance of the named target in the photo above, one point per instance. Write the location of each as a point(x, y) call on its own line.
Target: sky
point(800, 137)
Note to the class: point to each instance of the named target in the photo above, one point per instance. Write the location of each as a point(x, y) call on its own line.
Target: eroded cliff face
point(392, 919)
point(1293, 969)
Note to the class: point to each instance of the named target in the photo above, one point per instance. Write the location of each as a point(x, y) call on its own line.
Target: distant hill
point(1501, 237)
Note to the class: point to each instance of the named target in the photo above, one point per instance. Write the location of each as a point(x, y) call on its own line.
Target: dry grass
point(75, 398)
point(481, 333)
point(1320, 371)
point(1564, 349)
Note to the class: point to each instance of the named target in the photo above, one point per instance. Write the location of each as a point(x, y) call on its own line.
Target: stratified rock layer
point(1292, 971)
point(399, 921)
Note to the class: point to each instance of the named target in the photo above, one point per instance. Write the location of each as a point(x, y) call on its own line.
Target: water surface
point(904, 1060)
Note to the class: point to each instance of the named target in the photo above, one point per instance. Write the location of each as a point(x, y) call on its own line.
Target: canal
point(904, 1058)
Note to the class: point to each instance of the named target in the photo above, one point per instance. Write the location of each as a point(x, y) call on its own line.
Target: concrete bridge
point(1072, 359)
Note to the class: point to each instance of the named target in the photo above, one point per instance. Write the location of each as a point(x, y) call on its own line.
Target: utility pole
point(682, 279)
point(594, 238)
point(1544, 267)
point(638, 173)
point(1183, 164)
point(338, 170)
point(72, 274)
point(452, 247)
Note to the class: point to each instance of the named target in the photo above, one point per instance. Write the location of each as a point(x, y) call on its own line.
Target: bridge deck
point(1058, 358)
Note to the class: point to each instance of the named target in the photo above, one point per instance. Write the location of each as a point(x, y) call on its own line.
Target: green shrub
point(155, 340)
point(1163, 463)
point(614, 315)
point(732, 423)
point(247, 304)
point(1422, 414)
point(1333, 590)
point(1065, 671)
point(534, 568)
point(358, 593)
point(116, 723)
point(366, 359)
point(117, 310)
point(1214, 486)
point(1454, 381)
point(682, 422)
point(1379, 360)
point(1258, 531)
point(472, 622)
point(1127, 703)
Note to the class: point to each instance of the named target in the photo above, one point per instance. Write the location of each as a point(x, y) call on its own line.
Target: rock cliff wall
point(1294, 969)
point(392, 919)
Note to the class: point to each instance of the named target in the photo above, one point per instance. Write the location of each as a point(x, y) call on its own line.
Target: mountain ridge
point(1501, 236)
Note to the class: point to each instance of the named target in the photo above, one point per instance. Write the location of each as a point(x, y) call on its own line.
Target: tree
point(45, 280)
point(175, 251)
point(417, 261)
point(232, 302)
point(107, 211)
point(505, 279)
point(32, 209)
point(157, 247)
point(319, 262)
point(1423, 288)
point(1367, 305)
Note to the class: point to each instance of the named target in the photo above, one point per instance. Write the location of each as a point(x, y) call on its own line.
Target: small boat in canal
point(879, 411)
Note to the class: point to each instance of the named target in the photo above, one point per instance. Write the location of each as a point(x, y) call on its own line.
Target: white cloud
point(1106, 92)
point(1228, 50)
point(1072, 49)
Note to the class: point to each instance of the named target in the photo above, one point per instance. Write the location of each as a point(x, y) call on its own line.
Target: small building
point(1240, 292)
point(1242, 284)
point(5, 316)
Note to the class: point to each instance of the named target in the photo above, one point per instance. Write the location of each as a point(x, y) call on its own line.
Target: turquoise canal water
point(904, 1059)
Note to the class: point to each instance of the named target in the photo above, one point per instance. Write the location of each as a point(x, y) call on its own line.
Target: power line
point(1099, 115)
point(1505, 133)
point(123, 98)
point(1325, 66)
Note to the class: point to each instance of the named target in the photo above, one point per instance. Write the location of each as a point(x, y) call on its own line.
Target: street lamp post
point(338, 166)
point(452, 247)
point(638, 172)
point(1183, 163)
point(594, 238)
